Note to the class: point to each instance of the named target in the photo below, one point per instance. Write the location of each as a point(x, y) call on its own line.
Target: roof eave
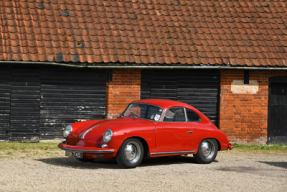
point(145, 66)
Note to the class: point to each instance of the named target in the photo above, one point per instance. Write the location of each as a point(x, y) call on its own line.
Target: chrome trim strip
point(185, 114)
point(83, 136)
point(170, 153)
point(87, 151)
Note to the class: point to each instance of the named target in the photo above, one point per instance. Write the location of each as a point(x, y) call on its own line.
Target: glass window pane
point(143, 111)
point(192, 116)
point(175, 114)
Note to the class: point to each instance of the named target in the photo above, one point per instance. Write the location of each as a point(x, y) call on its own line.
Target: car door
point(174, 133)
point(194, 121)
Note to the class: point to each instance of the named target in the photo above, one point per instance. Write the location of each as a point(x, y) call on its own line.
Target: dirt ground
point(231, 171)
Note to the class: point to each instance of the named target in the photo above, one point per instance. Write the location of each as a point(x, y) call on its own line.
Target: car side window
point(175, 114)
point(192, 116)
point(153, 113)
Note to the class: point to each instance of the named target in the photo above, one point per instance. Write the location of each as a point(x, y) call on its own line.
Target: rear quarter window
point(192, 116)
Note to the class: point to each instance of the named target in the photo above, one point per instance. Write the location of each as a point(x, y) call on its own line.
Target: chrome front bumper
point(84, 149)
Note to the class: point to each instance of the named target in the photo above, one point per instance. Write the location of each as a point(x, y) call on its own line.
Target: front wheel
point(207, 151)
point(130, 153)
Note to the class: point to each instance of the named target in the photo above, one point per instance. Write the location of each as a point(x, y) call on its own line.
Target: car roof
point(164, 103)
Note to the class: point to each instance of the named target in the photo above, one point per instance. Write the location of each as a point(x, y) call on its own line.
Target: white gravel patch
point(232, 171)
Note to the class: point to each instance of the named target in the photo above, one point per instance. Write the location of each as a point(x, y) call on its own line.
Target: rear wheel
point(207, 151)
point(130, 153)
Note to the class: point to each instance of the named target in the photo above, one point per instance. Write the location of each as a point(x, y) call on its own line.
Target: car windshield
point(143, 111)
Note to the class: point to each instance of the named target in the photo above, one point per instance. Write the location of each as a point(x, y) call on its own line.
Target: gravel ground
point(232, 171)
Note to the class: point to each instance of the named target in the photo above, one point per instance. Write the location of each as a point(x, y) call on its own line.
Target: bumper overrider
point(230, 146)
point(89, 152)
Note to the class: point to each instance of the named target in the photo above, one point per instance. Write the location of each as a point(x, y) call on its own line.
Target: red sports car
point(147, 128)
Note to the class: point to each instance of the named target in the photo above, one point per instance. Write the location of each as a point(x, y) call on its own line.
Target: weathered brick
point(124, 89)
point(243, 117)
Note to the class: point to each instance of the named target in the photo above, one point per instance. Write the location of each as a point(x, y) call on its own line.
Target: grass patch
point(261, 148)
point(28, 146)
point(35, 150)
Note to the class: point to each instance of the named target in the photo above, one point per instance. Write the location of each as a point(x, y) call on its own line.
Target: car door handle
point(190, 132)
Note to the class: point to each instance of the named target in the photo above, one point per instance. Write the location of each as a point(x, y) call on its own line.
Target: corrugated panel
point(199, 88)
point(70, 95)
point(5, 89)
point(25, 104)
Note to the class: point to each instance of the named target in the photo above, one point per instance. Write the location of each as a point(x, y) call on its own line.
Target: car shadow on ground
point(276, 164)
point(112, 164)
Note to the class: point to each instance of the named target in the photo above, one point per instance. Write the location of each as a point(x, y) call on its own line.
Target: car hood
point(99, 128)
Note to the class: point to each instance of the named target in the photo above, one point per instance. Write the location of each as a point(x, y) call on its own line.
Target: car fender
point(79, 127)
point(211, 133)
point(146, 133)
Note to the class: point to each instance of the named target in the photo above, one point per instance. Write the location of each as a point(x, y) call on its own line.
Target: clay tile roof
point(243, 33)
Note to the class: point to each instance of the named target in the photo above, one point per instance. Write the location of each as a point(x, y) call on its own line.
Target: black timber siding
point(277, 111)
point(5, 91)
point(199, 88)
point(38, 102)
point(25, 104)
point(70, 95)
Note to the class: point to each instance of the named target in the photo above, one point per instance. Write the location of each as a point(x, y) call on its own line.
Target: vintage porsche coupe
point(147, 128)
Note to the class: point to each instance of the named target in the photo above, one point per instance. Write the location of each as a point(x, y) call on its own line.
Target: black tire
point(130, 153)
point(207, 151)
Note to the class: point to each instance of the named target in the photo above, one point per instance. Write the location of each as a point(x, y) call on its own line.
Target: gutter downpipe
point(126, 66)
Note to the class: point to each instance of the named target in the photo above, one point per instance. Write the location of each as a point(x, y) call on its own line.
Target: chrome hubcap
point(132, 152)
point(207, 149)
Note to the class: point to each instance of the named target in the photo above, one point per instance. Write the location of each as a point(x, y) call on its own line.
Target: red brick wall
point(243, 117)
point(124, 89)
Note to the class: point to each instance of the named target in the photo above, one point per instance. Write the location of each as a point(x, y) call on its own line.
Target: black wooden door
point(199, 88)
point(277, 112)
point(159, 84)
point(25, 104)
point(5, 89)
point(38, 102)
point(69, 95)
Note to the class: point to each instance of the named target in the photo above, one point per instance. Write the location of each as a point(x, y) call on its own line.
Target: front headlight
point(67, 131)
point(107, 135)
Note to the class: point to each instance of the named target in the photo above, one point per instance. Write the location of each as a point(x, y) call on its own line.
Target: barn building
point(63, 61)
